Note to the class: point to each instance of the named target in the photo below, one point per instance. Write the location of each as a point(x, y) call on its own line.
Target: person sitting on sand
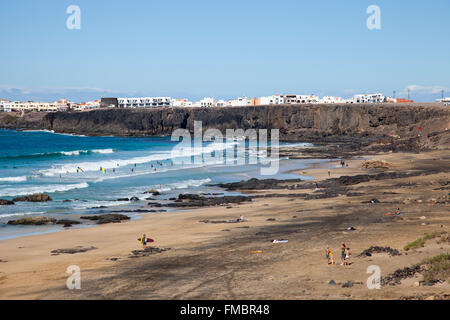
point(397, 212)
point(347, 256)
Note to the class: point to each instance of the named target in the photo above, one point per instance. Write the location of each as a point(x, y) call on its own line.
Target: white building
point(86, 105)
point(274, 99)
point(181, 103)
point(240, 102)
point(207, 102)
point(445, 101)
point(300, 98)
point(331, 99)
point(369, 98)
point(146, 102)
point(5, 105)
point(29, 106)
point(221, 103)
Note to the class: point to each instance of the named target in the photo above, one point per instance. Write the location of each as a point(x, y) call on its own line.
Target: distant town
point(151, 102)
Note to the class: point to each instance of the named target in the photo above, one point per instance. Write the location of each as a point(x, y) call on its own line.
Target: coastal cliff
point(315, 123)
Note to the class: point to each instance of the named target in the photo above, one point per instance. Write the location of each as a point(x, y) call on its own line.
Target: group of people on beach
point(345, 255)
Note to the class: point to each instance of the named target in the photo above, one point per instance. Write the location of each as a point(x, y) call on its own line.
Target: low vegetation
point(421, 241)
point(437, 268)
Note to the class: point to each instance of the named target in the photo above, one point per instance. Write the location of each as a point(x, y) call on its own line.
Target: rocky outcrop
point(376, 249)
point(4, 202)
point(195, 200)
point(67, 223)
point(41, 197)
point(37, 221)
point(77, 249)
point(258, 184)
point(146, 252)
point(393, 126)
point(107, 218)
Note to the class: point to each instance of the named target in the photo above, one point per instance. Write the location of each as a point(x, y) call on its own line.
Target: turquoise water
point(67, 167)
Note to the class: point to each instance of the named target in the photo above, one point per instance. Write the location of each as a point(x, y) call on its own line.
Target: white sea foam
point(48, 131)
point(297, 145)
point(69, 134)
point(7, 215)
point(40, 189)
point(115, 163)
point(71, 153)
point(168, 187)
point(75, 152)
point(14, 179)
point(186, 184)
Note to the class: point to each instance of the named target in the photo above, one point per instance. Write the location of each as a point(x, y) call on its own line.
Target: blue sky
point(222, 48)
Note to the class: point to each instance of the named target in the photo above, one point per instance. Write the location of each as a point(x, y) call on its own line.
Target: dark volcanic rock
point(142, 210)
point(4, 202)
point(123, 199)
point(399, 274)
point(348, 284)
point(257, 184)
point(376, 127)
point(146, 252)
point(376, 249)
point(77, 249)
point(107, 218)
point(41, 197)
point(134, 199)
point(67, 223)
point(153, 192)
point(37, 221)
point(195, 200)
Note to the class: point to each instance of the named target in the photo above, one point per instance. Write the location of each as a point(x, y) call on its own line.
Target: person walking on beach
point(347, 256)
point(329, 256)
point(144, 241)
point(343, 254)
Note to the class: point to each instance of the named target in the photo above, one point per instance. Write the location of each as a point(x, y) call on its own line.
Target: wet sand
point(216, 261)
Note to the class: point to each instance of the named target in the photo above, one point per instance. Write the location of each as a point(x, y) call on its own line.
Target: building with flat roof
point(109, 103)
point(145, 102)
point(300, 98)
point(268, 100)
point(369, 98)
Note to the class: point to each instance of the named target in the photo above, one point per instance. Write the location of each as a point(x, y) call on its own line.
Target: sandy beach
point(238, 260)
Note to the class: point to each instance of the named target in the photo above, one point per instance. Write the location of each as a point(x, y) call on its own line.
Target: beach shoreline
point(207, 262)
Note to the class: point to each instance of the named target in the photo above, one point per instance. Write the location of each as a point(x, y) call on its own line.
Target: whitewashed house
point(240, 102)
point(207, 102)
point(300, 98)
point(369, 98)
point(146, 102)
point(268, 100)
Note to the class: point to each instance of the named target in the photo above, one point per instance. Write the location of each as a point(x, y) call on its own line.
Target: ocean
point(86, 175)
